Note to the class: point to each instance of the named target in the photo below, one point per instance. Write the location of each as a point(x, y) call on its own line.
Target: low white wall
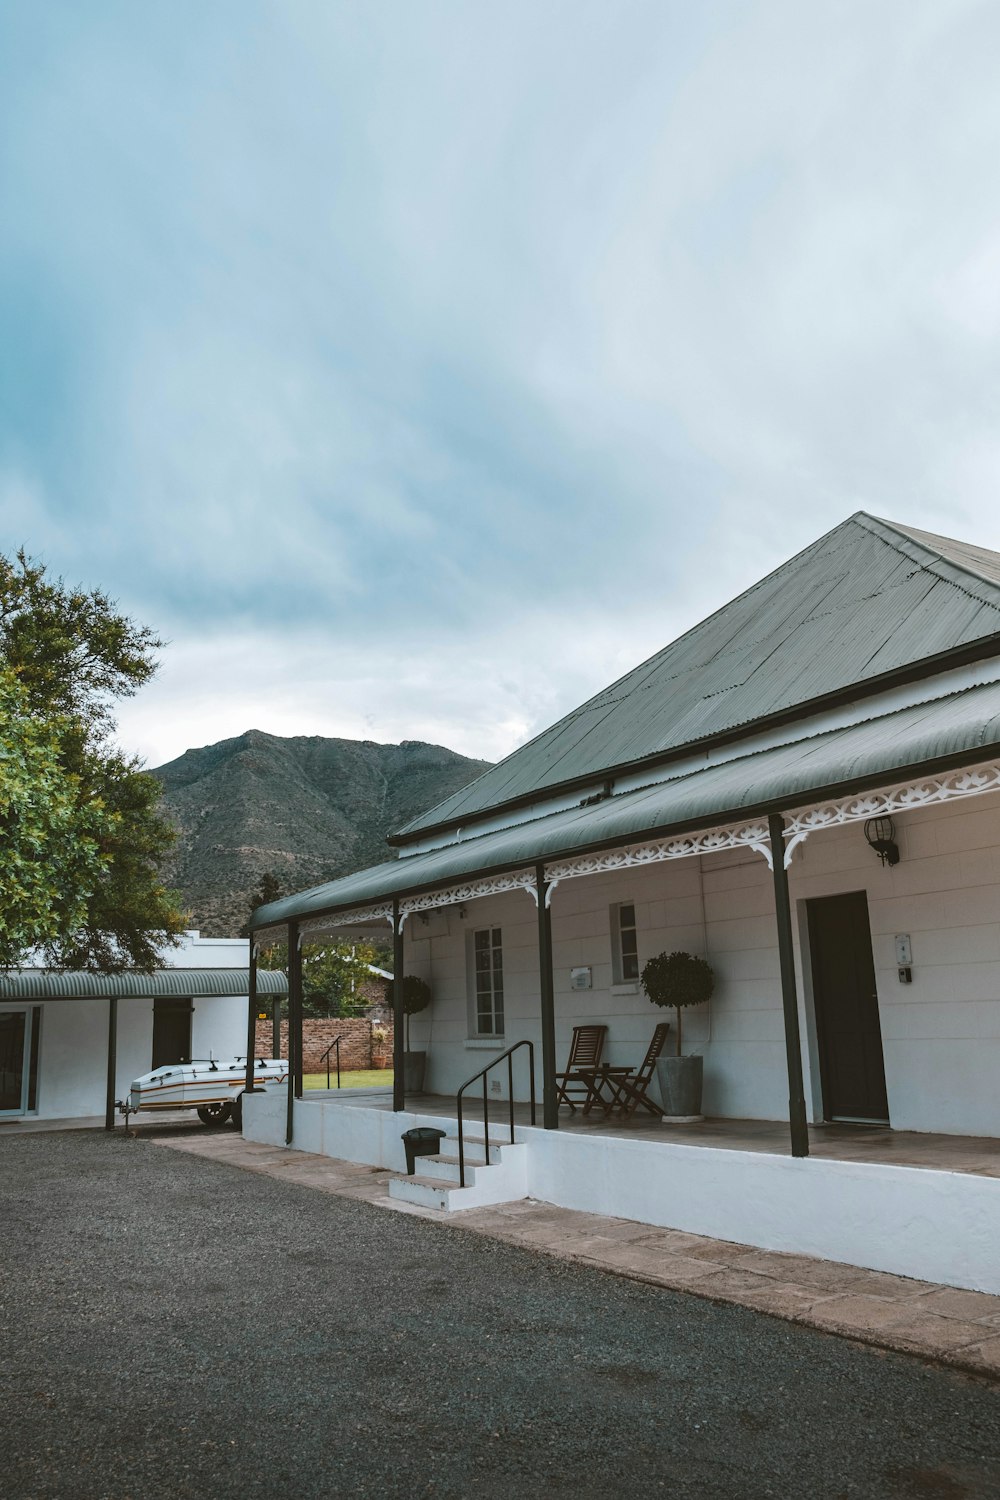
point(936, 1226)
point(371, 1137)
point(932, 1225)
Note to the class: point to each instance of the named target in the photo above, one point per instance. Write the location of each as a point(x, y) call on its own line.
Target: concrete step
point(503, 1181)
point(430, 1193)
point(445, 1168)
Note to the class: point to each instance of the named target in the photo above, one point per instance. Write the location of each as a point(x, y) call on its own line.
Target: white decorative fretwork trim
point(738, 836)
point(380, 913)
point(455, 895)
point(972, 781)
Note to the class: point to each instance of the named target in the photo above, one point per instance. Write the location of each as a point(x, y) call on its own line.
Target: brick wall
point(355, 1046)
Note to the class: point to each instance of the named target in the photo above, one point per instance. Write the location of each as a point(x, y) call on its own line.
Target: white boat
point(213, 1086)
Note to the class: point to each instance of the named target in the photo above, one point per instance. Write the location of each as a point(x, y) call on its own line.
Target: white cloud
point(416, 371)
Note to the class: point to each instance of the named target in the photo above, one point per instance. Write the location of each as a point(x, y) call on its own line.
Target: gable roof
point(869, 603)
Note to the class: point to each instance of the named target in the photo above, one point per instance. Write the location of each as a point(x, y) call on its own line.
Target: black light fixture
point(881, 835)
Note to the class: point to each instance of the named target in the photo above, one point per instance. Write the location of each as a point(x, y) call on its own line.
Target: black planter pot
point(680, 1080)
point(414, 1065)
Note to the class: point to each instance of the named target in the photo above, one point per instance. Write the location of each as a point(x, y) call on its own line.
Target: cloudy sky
point(416, 368)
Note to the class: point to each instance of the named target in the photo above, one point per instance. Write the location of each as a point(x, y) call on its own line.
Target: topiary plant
point(678, 979)
point(416, 997)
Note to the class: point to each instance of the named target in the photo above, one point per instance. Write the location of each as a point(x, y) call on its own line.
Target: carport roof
point(962, 728)
point(46, 984)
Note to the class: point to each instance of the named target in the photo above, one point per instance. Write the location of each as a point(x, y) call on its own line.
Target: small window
point(488, 953)
point(625, 948)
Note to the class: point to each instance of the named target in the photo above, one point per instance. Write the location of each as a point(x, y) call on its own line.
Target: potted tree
point(380, 1043)
point(679, 979)
point(416, 997)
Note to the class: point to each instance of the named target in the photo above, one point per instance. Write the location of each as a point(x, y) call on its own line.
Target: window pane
point(626, 916)
point(630, 966)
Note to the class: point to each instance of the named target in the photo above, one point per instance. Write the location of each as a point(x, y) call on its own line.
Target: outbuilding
point(71, 1042)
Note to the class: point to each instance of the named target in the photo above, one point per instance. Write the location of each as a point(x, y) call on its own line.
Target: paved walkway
point(952, 1327)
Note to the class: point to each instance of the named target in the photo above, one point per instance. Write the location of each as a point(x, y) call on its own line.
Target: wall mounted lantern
point(881, 835)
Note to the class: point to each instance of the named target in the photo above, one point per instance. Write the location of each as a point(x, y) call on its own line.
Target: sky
point(416, 368)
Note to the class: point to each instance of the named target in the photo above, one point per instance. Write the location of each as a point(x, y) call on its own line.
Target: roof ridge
point(917, 537)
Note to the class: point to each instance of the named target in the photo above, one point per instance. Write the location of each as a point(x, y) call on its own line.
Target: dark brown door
point(171, 1032)
point(847, 1024)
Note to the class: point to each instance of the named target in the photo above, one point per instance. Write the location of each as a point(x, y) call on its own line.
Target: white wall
point(941, 1034)
point(73, 1041)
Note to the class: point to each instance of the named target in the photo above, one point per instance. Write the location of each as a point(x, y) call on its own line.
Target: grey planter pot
point(414, 1065)
point(680, 1080)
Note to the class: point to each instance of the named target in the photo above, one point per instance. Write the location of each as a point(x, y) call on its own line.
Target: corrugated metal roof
point(44, 984)
point(875, 752)
point(868, 598)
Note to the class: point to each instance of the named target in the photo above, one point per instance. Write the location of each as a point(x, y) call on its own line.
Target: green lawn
point(357, 1078)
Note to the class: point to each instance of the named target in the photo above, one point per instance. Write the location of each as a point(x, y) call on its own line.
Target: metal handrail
point(326, 1059)
point(509, 1055)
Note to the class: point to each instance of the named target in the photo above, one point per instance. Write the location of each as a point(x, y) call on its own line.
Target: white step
point(430, 1193)
point(504, 1181)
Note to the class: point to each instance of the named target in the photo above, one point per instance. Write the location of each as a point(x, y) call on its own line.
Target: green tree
point(54, 837)
point(72, 656)
point(268, 889)
point(332, 978)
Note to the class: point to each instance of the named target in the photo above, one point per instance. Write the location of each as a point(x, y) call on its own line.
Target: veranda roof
point(870, 602)
point(46, 984)
point(962, 728)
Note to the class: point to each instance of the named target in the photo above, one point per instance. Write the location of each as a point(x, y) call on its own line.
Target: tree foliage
point(334, 975)
point(54, 838)
point(70, 656)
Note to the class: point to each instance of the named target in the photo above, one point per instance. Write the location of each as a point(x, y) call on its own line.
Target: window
point(488, 952)
point(625, 949)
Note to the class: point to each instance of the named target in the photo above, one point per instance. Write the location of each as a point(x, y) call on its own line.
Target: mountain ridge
point(304, 808)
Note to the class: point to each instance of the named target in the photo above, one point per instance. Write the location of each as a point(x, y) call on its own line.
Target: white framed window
point(487, 974)
point(624, 944)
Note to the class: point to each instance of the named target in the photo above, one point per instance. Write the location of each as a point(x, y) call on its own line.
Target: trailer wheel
point(215, 1114)
point(236, 1111)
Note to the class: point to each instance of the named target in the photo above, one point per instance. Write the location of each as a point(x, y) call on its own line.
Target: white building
point(59, 1031)
point(721, 799)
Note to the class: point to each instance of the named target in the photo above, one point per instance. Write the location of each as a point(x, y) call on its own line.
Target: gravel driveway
point(175, 1327)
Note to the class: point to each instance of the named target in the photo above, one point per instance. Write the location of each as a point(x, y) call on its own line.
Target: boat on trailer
point(212, 1086)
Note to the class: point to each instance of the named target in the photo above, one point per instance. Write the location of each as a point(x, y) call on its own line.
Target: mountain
point(304, 808)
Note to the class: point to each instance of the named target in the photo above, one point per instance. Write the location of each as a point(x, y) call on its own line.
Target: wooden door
point(847, 1022)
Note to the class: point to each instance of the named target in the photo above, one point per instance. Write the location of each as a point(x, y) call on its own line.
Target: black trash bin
point(422, 1140)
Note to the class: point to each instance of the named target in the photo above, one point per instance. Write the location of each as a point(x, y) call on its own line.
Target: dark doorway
point(847, 1025)
point(171, 1032)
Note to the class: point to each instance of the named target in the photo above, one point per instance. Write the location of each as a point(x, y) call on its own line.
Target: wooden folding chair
point(625, 1089)
point(584, 1055)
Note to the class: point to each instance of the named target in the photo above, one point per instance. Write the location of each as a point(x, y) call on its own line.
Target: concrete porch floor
point(978, 1155)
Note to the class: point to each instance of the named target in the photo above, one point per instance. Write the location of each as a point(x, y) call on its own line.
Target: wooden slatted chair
point(625, 1088)
point(584, 1056)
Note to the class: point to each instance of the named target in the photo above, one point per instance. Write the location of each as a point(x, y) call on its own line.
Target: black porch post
point(789, 998)
point(251, 1017)
point(294, 1023)
point(398, 1082)
point(546, 991)
point(109, 1107)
